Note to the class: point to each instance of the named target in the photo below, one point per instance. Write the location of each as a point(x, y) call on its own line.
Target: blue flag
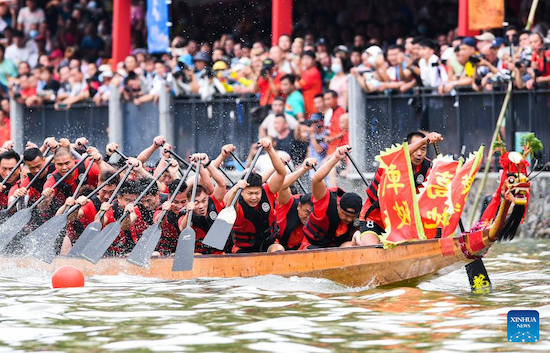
point(158, 40)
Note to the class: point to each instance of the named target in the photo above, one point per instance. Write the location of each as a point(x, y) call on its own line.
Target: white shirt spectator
point(28, 18)
point(269, 124)
point(431, 72)
point(28, 53)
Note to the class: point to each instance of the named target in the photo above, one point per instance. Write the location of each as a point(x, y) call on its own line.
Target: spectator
point(286, 141)
point(484, 38)
point(311, 83)
point(325, 62)
point(22, 50)
point(78, 90)
point(5, 128)
point(319, 103)
point(26, 88)
point(92, 44)
point(355, 56)
point(339, 82)
point(7, 16)
point(465, 77)
point(540, 63)
point(315, 134)
point(267, 128)
point(332, 121)
point(7, 71)
point(46, 89)
point(104, 91)
point(432, 73)
point(30, 17)
point(268, 83)
point(294, 105)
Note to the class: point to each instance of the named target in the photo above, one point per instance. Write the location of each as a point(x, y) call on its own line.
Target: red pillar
point(281, 19)
point(463, 25)
point(121, 31)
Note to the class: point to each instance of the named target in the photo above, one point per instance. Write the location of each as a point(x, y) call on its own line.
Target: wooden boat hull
point(353, 266)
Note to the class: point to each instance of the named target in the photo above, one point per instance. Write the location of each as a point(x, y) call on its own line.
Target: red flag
point(397, 195)
point(435, 200)
point(460, 187)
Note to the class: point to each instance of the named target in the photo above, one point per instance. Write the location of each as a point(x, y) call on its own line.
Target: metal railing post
point(166, 116)
point(17, 126)
point(116, 124)
point(357, 122)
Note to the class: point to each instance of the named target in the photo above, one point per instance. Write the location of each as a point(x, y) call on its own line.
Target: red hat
point(56, 54)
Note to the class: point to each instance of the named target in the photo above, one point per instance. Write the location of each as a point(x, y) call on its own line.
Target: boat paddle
point(476, 268)
point(357, 169)
point(10, 228)
point(95, 227)
point(173, 154)
point(142, 252)
point(102, 241)
point(237, 159)
point(221, 228)
point(292, 170)
point(42, 243)
point(185, 249)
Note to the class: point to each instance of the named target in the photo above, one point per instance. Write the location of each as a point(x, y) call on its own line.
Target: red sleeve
point(17, 186)
point(109, 216)
point(93, 175)
point(320, 206)
point(239, 222)
point(335, 128)
point(218, 204)
point(271, 196)
point(139, 225)
point(282, 211)
point(307, 80)
point(89, 214)
point(50, 182)
point(180, 222)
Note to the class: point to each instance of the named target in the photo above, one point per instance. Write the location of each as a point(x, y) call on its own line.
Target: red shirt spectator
point(266, 93)
point(336, 133)
point(311, 83)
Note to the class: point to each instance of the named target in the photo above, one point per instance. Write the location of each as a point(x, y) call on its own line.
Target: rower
point(64, 161)
point(292, 211)
point(89, 208)
point(175, 210)
point(371, 225)
point(8, 160)
point(255, 228)
point(34, 161)
point(132, 226)
point(335, 213)
point(150, 202)
point(206, 207)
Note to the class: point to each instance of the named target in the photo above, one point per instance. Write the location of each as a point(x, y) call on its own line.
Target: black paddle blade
point(478, 277)
point(10, 228)
point(84, 239)
point(220, 230)
point(141, 254)
point(185, 251)
point(99, 245)
point(42, 242)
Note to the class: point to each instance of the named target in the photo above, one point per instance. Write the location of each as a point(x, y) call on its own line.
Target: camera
point(267, 66)
point(524, 62)
point(475, 59)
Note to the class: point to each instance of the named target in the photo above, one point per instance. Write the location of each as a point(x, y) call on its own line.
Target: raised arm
point(432, 137)
point(285, 195)
point(318, 187)
point(225, 152)
point(158, 142)
point(276, 181)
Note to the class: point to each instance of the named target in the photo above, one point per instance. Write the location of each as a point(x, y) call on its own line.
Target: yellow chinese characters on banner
point(460, 187)
point(435, 201)
point(397, 195)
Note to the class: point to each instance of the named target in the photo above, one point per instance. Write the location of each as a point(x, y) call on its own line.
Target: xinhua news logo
point(523, 326)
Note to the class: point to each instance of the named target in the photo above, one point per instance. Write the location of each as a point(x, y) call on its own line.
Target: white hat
point(374, 50)
point(486, 36)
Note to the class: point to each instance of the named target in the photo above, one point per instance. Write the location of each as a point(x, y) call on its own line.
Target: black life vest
point(323, 234)
point(292, 222)
point(78, 228)
point(264, 228)
point(122, 244)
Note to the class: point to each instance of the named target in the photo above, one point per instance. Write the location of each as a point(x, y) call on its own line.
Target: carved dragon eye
point(511, 180)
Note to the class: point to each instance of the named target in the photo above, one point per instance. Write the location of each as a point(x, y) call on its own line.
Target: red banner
point(397, 195)
point(435, 201)
point(460, 187)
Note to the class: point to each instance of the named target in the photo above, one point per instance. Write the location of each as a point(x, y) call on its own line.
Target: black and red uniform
point(127, 239)
point(324, 227)
point(371, 208)
point(76, 227)
point(255, 229)
point(291, 229)
point(35, 191)
point(201, 225)
point(4, 195)
point(170, 232)
point(68, 186)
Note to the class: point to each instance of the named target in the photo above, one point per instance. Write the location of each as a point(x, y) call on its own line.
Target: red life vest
point(291, 229)
point(324, 227)
point(4, 196)
point(256, 229)
point(76, 227)
point(170, 232)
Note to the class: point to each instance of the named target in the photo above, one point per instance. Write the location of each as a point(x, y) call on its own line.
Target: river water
point(274, 314)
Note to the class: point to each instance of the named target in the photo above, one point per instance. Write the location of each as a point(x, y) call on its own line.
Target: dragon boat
point(352, 266)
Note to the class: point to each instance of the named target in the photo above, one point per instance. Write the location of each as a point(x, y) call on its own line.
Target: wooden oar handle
point(237, 159)
point(298, 180)
point(194, 193)
point(357, 168)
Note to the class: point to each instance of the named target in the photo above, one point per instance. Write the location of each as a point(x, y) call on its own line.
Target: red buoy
point(67, 276)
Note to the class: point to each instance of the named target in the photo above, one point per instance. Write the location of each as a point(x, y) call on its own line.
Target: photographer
point(208, 84)
point(184, 82)
point(486, 65)
point(466, 58)
point(540, 63)
point(268, 83)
